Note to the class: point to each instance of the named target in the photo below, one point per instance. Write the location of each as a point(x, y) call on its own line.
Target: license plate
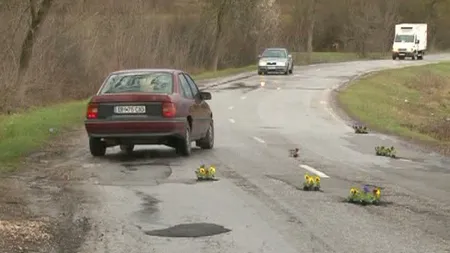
point(131, 109)
point(271, 67)
point(401, 54)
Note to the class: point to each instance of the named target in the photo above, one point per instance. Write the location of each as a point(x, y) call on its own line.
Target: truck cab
point(410, 41)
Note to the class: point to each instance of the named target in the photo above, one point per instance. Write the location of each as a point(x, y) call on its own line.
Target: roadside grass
point(299, 59)
point(24, 133)
point(333, 57)
point(223, 72)
point(413, 102)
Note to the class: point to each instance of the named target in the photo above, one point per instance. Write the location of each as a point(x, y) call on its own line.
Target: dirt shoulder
point(39, 203)
point(412, 103)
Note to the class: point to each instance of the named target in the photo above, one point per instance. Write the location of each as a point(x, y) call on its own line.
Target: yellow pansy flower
point(317, 179)
point(377, 192)
point(212, 170)
point(307, 177)
point(353, 191)
point(202, 171)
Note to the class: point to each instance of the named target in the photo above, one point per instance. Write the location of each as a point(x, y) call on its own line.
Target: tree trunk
point(311, 23)
point(37, 19)
point(218, 35)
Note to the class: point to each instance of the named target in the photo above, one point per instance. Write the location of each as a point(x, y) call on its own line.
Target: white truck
point(410, 41)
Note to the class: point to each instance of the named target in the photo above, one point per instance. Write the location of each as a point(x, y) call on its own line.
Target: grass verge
point(413, 102)
point(333, 57)
point(26, 132)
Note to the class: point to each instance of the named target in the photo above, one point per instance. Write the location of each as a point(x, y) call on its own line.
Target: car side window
point(187, 93)
point(192, 84)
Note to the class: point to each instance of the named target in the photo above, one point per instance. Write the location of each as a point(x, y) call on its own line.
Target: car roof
point(132, 71)
point(276, 48)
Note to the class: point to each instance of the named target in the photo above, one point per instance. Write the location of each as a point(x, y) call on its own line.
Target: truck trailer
point(410, 41)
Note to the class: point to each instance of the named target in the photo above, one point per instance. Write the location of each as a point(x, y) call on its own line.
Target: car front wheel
point(207, 142)
point(97, 146)
point(184, 145)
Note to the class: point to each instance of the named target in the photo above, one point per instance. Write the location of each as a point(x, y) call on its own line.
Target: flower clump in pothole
point(365, 196)
point(312, 183)
point(293, 152)
point(204, 173)
point(385, 151)
point(360, 129)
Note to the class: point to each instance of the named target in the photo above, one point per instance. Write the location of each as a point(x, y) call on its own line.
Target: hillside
point(78, 42)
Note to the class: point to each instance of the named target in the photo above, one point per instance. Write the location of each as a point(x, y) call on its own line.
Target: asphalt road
point(255, 206)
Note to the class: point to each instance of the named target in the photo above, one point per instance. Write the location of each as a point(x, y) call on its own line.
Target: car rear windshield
point(151, 82)
point(274, 53)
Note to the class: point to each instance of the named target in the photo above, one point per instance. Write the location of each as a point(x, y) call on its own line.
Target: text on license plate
point(271, 67)
point(131, 109)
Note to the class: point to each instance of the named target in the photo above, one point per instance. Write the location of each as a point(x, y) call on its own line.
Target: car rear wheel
point(207, 142)
point(127, 148)
point(291, 70)
point(184, 145)
point(97, 147)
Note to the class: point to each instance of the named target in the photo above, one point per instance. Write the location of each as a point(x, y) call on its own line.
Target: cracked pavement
point(255, 206)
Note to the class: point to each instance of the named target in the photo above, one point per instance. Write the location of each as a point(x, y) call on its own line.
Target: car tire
point(127, 148)
point(286, 72)
point(184, 146)
point(291, 70)
point(260, 73)
point(207, 142)
point(97, 147)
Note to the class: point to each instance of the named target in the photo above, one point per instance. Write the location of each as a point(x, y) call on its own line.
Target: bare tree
point(311, 23)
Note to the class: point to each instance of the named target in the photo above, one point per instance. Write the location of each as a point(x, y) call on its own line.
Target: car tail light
point(92, 111)
point(168, 109)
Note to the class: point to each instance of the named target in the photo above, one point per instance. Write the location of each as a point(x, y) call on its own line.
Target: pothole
point(149, 205)
point(191, 230)
point(157, 170)
point(239, 85)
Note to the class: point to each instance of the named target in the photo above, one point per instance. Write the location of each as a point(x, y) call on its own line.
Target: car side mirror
point(259, 56)
point(290, 56)
point(205, 95)
point(417, 41)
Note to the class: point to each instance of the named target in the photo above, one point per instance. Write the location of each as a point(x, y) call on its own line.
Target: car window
point(274, 53)
point(187, 92)
point(192, 84)
point(151, 82)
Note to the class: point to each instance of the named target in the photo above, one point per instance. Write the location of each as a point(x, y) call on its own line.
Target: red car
point(149, 106)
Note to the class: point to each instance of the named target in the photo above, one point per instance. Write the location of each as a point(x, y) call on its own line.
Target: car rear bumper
point(130, 129)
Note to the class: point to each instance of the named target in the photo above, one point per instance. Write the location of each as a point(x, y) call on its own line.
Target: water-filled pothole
point(189, 230)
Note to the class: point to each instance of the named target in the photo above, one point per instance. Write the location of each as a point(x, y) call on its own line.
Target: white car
point(275, 60)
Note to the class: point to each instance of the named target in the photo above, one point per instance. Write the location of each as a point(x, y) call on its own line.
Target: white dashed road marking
point(314, 171)
point(323, 102)
point(278, 88)
point(258, 139)
point(243, 97)
point(232, 121)
point(230, 108)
